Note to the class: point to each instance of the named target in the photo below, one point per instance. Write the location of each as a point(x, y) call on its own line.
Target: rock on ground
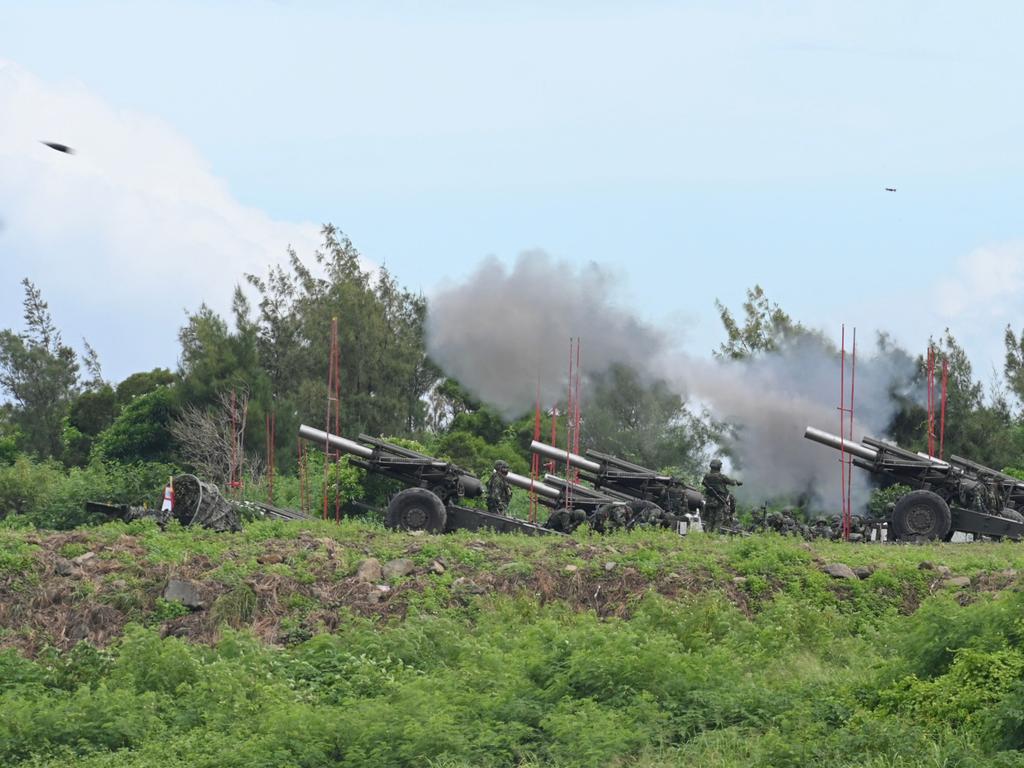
point(840, 571)
point(184, 592)
point(403, 566)
point(370, 571)
point(957, 581)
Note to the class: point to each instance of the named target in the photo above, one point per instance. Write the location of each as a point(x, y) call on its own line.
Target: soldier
point(719, 502)
point(775, 522)
point(820, 529)
point(609, 517)
point(565, 520)
point(499, 492)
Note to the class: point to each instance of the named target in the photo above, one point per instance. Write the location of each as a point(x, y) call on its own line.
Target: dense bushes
point(46, 495)
point(689, 681)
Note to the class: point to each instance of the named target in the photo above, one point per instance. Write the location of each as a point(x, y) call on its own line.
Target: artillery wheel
point(921, 515)
point(416, 509)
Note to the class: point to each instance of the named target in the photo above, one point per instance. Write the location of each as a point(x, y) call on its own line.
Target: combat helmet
point(501, 466)
point(716, 463)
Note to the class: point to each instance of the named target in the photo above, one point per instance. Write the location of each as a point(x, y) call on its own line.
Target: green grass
point(724, 652)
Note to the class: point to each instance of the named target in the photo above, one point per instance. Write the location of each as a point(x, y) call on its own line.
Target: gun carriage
point(436, 488)
point(626, 482)
point(611, 474)
point(947, 496)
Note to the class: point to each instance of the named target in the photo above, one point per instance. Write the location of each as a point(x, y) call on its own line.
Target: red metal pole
point(842, 433)
point(849, 467)
point(576, 430)
point(535, 458)
point(271, 417)
point(930, 373)
point(554, 436)
point(233, 481)
point(303, 488)
point(942, 418)
point(331, 386)
point(569, 433)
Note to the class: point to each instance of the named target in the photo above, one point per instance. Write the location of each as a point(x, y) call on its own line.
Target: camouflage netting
point(196, 503)
point(199, 503)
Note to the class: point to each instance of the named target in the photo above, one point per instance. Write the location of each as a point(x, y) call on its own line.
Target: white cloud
point(133, 226)
point(975, 297)
point(986, 284)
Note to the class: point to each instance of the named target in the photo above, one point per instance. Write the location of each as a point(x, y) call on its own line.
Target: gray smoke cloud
point(501, 328)
point(769, 401)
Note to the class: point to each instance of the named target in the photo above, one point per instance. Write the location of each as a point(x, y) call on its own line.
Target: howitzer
point(570, 503)
point(606, 510)
point(947, 496)
point(611, 474)
point(435, 487)
point(558, 493)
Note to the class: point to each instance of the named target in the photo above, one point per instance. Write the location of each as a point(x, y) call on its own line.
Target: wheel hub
point(415, 518)
point(920, 520)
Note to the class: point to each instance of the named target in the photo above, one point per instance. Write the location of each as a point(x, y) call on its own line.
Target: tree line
point(272, 352)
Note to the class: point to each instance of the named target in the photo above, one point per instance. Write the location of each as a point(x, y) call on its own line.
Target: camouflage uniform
point(609, 517)
point(644, 513)
point(499, 492)
point(784, 524)
point(820, 529)
point(565, 520)
point(719, 503)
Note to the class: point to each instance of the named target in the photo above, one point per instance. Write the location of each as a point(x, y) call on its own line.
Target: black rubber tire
point(921, 515)
point(416, 509)
point(1012, 514)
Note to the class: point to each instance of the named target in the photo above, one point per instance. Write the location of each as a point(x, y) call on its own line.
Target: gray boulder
point(370, 571)
point(403, 566)
point(840, 571)
point(183, 591)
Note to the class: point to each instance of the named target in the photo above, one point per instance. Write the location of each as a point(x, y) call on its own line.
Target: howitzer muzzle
point(342, 444)
point(834, 441)
point(558, 454)
point(528, 483)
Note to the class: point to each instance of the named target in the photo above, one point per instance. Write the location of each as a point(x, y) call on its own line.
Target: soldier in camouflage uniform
point(820, 529)
point(609, 517)
point(565, 520)
point(719, 503)
point(499, 492)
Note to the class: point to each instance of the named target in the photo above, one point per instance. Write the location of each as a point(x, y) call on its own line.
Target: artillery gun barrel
point(394, 460)
point(557, 454)
point(343, 444)
point(618, 478)
point(581, 491)
point(529, 484)
point(869, 449)
point(834, 441)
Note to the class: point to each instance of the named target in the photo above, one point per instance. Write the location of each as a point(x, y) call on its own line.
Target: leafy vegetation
point(713, 652)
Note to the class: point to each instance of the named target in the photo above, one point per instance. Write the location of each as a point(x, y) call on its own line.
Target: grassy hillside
point(633, 649)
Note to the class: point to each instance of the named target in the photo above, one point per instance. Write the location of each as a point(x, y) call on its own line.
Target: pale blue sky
point(694, 148)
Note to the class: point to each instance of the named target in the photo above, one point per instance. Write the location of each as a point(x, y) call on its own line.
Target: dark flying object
point(890, 189)
point(59, 147)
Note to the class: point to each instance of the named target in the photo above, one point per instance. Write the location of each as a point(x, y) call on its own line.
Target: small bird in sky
point(890, 189)
point(59, 147)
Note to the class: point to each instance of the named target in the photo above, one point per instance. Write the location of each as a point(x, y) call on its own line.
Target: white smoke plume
point(499, 329)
